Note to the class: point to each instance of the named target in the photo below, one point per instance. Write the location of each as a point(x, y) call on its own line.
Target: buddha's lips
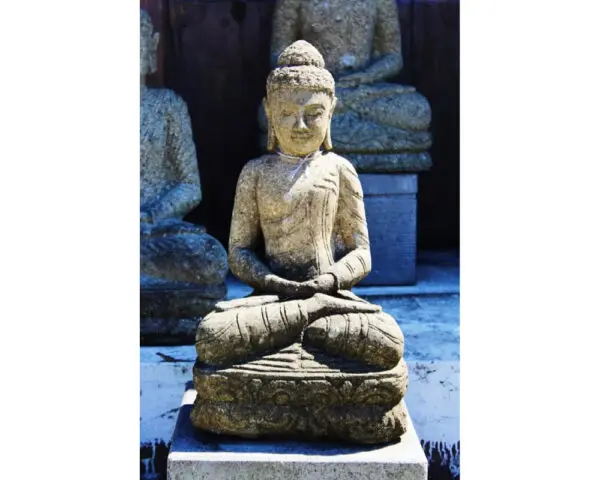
point(301, 136)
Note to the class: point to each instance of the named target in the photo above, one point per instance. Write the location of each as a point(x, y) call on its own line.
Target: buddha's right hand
point(325, 283)
point(286, 288)
point(322, 305)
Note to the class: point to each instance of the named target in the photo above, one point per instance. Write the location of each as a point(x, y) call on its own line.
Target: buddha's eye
point(315, 113)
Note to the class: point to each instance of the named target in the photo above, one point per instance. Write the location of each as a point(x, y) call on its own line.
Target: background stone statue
point(303, 356)
point(174, 254)
point(362, 47)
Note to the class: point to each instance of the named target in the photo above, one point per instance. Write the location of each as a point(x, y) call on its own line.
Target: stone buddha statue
point(174, 254)
point(302, 356)
point(381, 126)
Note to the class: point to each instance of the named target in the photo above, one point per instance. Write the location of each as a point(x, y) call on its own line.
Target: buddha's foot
point(373, 338)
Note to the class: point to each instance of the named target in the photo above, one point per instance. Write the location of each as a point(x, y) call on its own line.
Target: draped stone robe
point(172, 251)
point(299, 208)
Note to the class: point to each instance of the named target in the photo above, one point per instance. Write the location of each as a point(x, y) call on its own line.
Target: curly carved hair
point(301, 65)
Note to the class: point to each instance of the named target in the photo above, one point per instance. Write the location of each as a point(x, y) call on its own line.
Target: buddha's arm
point(245, 234)
point(245, 231)
point(187, 194)
point(387, 48)
point(352, 226)
point(285, 27)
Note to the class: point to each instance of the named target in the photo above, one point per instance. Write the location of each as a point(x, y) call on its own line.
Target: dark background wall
point(215, 54)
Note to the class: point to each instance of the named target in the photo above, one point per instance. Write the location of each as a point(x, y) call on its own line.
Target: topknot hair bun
point(300, 54)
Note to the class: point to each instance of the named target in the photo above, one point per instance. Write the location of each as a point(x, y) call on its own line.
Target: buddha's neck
point(297, 159)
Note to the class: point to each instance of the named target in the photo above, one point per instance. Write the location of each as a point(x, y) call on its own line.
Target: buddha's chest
point(286, 192)
point(155, 165)
point(153, 133)
point(341, 29)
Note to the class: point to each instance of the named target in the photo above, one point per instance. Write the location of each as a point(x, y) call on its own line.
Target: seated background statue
point(362, 47)
point(299, 199)
point(173, 253)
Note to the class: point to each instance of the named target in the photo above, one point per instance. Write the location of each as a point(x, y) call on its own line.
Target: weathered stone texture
point(390, 162)
point(391, 207)
point(302, 356)
point(310, 393)
point(362, 47)
point(173, 253)
point(170, 316)
point(201, 455)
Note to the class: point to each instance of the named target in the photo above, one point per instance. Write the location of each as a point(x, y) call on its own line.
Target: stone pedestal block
point(197, 455)
point(391, 208)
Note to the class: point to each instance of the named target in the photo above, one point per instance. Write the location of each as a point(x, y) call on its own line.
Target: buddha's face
point(148, 46)
point(300, 118)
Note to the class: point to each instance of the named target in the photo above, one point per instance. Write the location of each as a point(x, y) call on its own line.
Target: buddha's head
point(300, 101)
point(148, 44)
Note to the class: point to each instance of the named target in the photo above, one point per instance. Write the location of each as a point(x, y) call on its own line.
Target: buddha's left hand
point(325, 283)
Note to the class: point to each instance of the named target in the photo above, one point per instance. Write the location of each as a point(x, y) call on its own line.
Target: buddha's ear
point(327, 143)
point(333, 104)
point(265, 102)
point(271, 138)
point(153, 53)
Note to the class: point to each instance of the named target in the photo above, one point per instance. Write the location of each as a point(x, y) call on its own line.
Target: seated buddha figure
point(173, 253)
point(361, 44)
point(302, 356)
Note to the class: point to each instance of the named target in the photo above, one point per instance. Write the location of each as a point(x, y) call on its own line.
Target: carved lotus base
point(300, 393)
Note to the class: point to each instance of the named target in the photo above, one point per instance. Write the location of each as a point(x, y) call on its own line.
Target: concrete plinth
point(391, 209)
point(197, 455)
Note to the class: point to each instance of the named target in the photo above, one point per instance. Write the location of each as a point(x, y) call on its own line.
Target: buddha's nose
point(300, 124)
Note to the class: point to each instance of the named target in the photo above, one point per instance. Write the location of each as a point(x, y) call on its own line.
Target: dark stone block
point(391, 208)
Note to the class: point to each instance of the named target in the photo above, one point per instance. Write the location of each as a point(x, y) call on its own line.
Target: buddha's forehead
point(302, 97)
